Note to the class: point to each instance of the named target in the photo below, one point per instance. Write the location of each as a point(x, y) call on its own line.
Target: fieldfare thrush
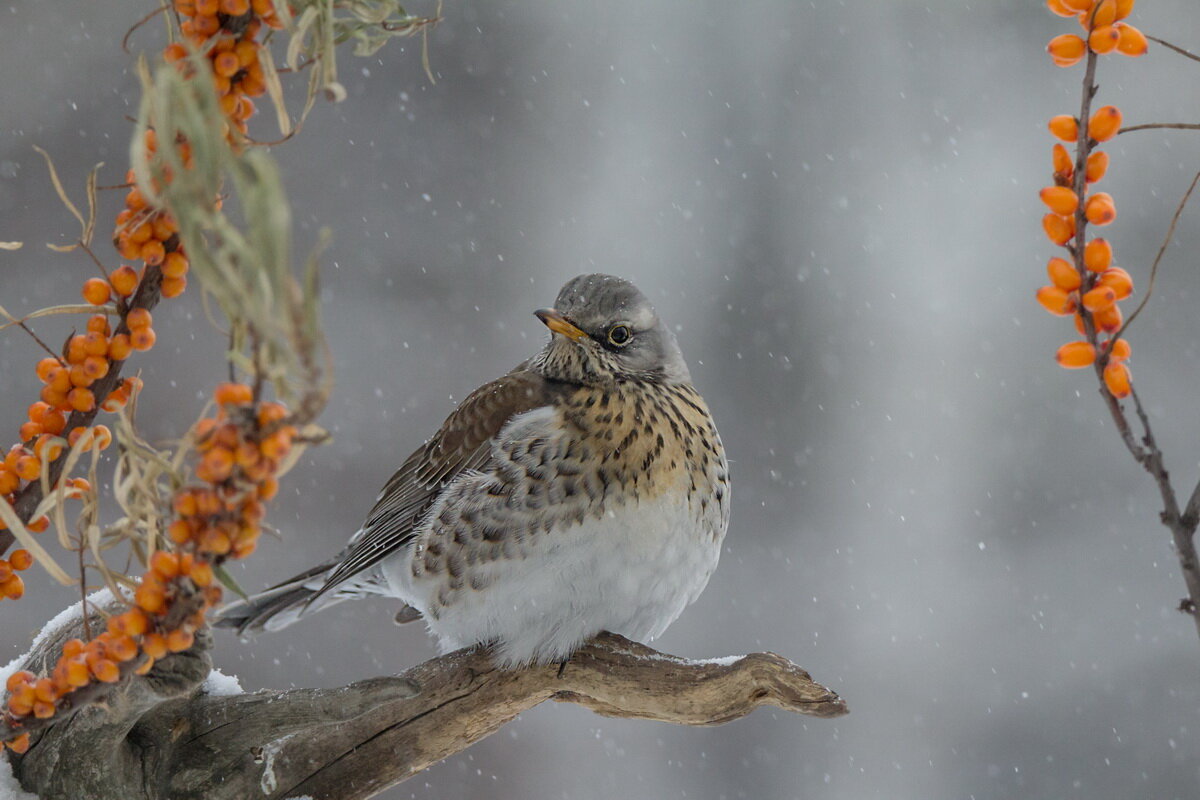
point(586, 490)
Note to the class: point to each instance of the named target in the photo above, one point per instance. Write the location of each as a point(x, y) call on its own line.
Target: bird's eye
point(619, 334)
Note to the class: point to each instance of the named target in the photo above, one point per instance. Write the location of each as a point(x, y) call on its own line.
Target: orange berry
point(1108, 319)
point(226, 64)
point(102, 437)
point(119, 347)
point(122, 648)
point(1060, 200)
point(1100, 209)
point(1056, 300)
point(40, 524)
point(105, 670)
point(1104, 39)
point(20, 560)
point(1124, 8)
point(1097, 165)
point(1063, 166)
point(142, 233)
point(153, 252)
point(1099, 298)
point(19, 678)
point(54, 422)
point(1098, 255)
point(155, 645)
point(179, 532)
point(47, 447)
point(179, 640)
point(28, 468)
point(185, 504)
point(13, 588)
point(95, 343)
point(1132, 42)
point(1120, 351)
point(216, 541)
point(76, 352)
point(115, 401)
point(1066, 50)
point(96, 291)
point(138, 318)
point(95, 367)
point(175, 265)
point(43, 689)
point(1058, 229)
point(233, 393)
point(173, 287)
point(9, 482)
point(1075, 355)
point(1104, 16)
point(201, 573)
point(78, 673)
point(1117, 379)
point(165, 564)
point(29, 430)
point(268, 489)
point(78, 376)
point(99, 323)
point(1064, 127)
point(19, 745)
point(142, 338)
point(216, 465)
point(151, 599)
point(247, 52)
point(1120, 281)
point(1060, 8)
point(175, 52)
point(1105, 123)
point(124, 280)
point(164, 226)
point(43, 710)
point(45, 367)
point(81, 399)
point(1079, 6)
point(205, 25)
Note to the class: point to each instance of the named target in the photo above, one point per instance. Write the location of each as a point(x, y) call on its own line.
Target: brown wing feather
point(463, 443)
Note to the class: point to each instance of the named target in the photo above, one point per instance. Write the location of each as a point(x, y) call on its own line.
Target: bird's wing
point(463, 443)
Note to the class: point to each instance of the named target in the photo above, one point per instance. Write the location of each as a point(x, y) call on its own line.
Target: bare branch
point(160, 737)
point(1170, 46)
point(1149, 126)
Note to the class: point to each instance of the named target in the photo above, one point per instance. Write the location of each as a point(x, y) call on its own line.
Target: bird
point(587, 490)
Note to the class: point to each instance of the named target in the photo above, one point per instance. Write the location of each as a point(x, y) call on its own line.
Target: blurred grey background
point(836, 206)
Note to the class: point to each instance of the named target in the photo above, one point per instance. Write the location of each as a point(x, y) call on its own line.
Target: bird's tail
point(283, 604)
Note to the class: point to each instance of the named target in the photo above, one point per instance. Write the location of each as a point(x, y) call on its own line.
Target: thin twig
point(1170, 46)
point(1149, 126)
point(138, 24)
point(1161, 250)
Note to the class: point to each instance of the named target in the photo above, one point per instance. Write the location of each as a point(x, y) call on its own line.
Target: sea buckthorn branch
point(1089, 286)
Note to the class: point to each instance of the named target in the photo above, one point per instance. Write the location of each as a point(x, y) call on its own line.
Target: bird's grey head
point(604, 330)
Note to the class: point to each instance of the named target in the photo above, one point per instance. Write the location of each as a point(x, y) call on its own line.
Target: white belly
point(631, 571)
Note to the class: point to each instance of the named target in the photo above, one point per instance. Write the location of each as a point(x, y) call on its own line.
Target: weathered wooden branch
point(162, 737)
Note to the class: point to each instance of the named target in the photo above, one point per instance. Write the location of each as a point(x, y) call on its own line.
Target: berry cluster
point(226, 31)
point(241, 450)
point(11, 585)
point(68, 381)
point(146, 233)
point(1088, 286)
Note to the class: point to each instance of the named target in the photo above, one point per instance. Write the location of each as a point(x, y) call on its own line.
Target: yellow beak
point(559, 324)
